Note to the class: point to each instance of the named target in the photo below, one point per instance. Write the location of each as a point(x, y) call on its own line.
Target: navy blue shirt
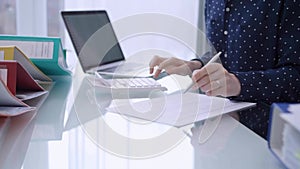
point(259, 40)
point(260, 44)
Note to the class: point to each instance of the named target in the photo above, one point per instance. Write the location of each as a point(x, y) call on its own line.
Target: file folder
point(11, 105)
point(18, 78)
point(284, 133)
point(14, 53)
point(45, 52)
point(18, 87)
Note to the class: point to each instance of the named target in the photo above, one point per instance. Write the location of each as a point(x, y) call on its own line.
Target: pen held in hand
point(213, 59)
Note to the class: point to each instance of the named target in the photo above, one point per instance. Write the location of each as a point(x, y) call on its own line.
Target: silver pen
point(213, 59)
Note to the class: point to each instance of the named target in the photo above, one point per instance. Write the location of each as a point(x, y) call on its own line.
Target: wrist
point(194, 64)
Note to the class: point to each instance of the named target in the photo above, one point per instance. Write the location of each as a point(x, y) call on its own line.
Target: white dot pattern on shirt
point(259, 47)
point(239, 32)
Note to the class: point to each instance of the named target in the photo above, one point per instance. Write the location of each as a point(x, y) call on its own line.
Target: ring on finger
point(218, 83)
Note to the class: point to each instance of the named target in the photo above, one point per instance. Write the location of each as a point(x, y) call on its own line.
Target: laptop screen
point(93, 38)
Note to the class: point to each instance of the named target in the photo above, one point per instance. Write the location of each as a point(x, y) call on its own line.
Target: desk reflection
point(95, 139)
point(87, 141)
point(15, 136)
point(122, 136)
point(44, 123)
point(231, 146)
point(89, 104)
point(50, 117)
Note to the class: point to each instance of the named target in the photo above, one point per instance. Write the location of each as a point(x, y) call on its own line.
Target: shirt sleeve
point(205, 58)
point(282, 83)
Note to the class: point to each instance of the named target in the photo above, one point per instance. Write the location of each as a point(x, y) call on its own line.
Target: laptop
point(95, 43)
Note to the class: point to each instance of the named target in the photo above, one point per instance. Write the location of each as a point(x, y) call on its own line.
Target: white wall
point(31, 17)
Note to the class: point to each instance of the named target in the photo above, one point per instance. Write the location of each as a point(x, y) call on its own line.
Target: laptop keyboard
point(140, 84)
point(135, 83)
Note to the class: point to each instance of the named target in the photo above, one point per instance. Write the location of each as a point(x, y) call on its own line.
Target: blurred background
point(42, 18)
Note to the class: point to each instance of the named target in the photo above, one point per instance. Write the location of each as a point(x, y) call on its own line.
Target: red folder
point(10, 68)
point(18, 79)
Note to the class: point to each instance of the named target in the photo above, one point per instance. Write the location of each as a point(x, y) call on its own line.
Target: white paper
point(178, 109)
point(7, 99)
point(295, 108)
point(12, 106)
point(1, 55)
point(3, 75)
point(14, 111)
point(27, 95)
point(293, 117)
point(29, 66)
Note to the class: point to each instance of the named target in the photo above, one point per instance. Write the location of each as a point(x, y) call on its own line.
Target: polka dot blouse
point(259, 40)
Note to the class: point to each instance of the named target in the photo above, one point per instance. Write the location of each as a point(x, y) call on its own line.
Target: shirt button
point(225, 55)
point(227, 9)
point(225, 32)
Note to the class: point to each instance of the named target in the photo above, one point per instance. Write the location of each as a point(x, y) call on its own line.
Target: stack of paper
point(177, 109)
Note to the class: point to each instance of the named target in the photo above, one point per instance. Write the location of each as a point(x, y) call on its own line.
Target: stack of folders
point(25, 79)
point(46, 53)
point(20, 81)
point(284, 134)
point(29, 68)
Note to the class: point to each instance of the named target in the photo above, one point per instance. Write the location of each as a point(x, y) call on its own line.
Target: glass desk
point(73, 130)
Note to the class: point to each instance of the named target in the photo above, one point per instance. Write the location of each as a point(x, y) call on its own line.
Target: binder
point(284, 133)
point(14, 53)
point(45, 52)
point(18, 87)
point(11, 105)
point(18, 78)
point(8, 73)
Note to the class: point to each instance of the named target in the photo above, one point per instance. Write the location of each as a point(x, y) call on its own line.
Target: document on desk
point(178, 109)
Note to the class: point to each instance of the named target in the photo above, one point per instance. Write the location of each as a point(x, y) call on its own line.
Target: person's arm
point(172, 66)
point(214, 80)
point(205, 58)
point(178, 66)
point(281, 84)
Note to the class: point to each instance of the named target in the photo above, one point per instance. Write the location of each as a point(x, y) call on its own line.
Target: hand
point(215, 80)
point(172, 66)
